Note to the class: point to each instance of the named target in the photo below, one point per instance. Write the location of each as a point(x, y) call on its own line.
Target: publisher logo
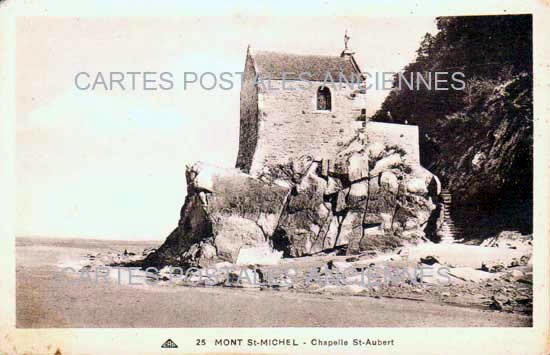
point(169, 344)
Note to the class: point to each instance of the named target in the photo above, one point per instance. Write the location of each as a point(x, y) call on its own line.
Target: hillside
point(478, 140)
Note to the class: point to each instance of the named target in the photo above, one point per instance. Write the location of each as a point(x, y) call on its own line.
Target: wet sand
point(46, 300)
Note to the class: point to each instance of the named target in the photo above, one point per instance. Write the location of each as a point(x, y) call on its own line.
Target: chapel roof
point(272, 65)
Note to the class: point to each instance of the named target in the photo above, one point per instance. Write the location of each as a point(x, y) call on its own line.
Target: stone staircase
point(449, 231)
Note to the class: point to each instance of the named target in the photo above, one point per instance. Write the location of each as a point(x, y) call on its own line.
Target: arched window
point(323, 99)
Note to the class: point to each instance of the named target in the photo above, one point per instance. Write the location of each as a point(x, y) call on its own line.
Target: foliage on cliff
point(478, 140)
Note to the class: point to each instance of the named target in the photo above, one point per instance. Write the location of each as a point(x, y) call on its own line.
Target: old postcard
point(310, 178)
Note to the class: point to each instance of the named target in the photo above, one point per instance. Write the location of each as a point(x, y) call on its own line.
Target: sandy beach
point(46, 300)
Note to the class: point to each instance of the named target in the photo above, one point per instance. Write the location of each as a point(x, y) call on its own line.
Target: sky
point(110, 164)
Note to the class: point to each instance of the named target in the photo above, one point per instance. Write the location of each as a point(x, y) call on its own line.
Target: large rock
point(388, 180)
point(375, 150)
point(367, 197)
point(348, 205)
point(224, 211)
point(386, 163)
point(259, 255)
point(307, 215)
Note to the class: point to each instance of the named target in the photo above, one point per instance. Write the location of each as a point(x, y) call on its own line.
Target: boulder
point(333, 186)
point(388, 180)
point(386, 163)
point(235, 210)
point(431, 181)
point(208, 251)
point(360, 208)
point(417, 186)
point(352, 162)
point(305, 216)
point(234, 233)
point(516, 275)
point(359, 189)
point(259, 255)
point(496, 304)
point(339, 265)
point(358, 167)
point(493, 266)
point(365, 198)
point(478, 160)
point(375, 150)
point(429, 260)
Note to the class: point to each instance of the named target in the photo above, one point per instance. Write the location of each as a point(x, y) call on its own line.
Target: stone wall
point(290, 126)
point(403, 136)
point(280, 122)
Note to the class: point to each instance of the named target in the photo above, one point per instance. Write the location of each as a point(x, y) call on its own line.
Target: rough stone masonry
point(311, 174)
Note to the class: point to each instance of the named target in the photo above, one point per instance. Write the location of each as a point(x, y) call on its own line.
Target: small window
point(323, 99)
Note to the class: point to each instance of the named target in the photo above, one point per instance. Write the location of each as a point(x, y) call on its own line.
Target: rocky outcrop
point(477, 139)
point(485, 158)
point(368, 197)
point(224, 211)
